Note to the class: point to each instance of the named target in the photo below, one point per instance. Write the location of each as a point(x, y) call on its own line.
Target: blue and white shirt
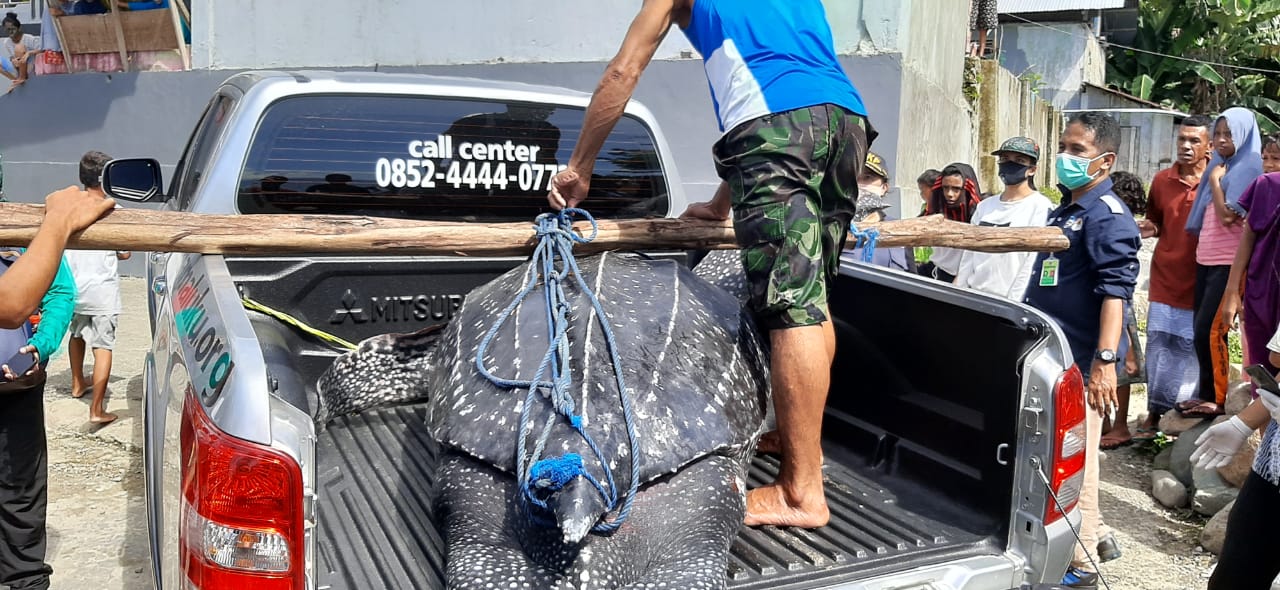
point(768, 56)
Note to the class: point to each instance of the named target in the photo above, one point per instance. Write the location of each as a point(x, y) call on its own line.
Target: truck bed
point(374, 530)
point(916, 426)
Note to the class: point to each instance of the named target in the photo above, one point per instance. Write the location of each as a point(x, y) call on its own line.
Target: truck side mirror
point(132, 179)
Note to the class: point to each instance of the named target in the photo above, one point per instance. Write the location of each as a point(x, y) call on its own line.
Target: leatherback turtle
point(697, 378)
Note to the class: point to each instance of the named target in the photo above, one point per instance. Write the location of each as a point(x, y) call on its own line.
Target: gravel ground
point(97, 523)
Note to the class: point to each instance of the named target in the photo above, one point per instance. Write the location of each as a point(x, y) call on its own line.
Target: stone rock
point(1173, 424)
point(1239, 395)
point(1241, 465)
point(1161, 460)
point(1235, 372)
point(1180, 458)
point(1167, 490)
point(1214, 533)
point(1212, 492)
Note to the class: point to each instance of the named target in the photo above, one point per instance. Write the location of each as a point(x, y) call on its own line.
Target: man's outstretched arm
point(26, 282)
point(609, 101)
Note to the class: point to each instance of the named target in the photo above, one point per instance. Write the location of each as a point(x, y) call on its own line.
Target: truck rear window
point(438, 158)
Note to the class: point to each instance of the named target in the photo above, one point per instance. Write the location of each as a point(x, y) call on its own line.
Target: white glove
point(1219, 444)
point(1271, 401)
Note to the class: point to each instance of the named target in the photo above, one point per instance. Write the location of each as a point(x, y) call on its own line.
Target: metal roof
point(1029, 6)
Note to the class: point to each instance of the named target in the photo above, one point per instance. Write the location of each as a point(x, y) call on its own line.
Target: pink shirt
point(1218, 243)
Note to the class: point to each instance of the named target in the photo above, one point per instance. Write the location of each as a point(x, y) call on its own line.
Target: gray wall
point(152, 114)
point(934, 119)
point(232, 34)
point(1065, 60)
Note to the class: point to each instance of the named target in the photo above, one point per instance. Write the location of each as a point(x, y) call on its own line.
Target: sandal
point(1187, 404)
point(1204, 410)
point(1145, 434)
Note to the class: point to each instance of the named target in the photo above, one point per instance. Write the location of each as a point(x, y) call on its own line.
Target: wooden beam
point(167, 231)
point(120, 42)
point(57, 28)
point(176, 20)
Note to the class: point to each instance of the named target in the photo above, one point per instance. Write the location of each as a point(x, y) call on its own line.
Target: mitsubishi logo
point(396, 308)
point(349, 309)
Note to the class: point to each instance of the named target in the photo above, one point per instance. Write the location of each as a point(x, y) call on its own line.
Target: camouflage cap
point(875, 165)
point(1020, 145)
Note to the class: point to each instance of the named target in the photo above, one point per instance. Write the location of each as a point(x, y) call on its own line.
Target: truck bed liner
point(375, 527)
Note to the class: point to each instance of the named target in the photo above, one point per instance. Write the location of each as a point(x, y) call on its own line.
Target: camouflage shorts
point(794, 180)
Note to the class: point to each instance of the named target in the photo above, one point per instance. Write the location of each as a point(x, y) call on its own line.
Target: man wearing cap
point(873, 187)
point(1020, 205)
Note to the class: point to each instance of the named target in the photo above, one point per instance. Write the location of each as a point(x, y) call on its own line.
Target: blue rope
point(539, 477)
point(865, 239)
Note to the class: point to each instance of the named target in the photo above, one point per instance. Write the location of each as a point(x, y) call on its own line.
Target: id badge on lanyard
point(1049, 272)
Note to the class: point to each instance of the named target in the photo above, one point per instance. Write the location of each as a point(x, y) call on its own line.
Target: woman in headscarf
point(1217, 217)
point(956, 195)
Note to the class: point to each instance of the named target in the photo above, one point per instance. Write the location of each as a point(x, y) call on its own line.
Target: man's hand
point(28, 349)
point(1102, 387)
point(75, 208)
point(1148, 228)
point(568, 188)
point(1218, 445)
point(708, 211)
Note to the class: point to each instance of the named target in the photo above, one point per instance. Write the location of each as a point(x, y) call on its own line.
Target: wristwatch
point(1105, 355)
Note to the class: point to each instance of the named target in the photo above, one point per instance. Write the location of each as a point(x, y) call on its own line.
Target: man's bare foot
point(770, 505)
point(78, 391)
point(1115, 438)
point(770, 443)
point(103, 419)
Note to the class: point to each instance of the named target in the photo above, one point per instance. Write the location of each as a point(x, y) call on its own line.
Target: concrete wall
point(1007, 108)
point(934, 120)
point(232, 34)
point(1066, 58)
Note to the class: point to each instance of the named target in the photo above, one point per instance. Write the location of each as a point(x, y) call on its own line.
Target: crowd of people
point(1215, 214)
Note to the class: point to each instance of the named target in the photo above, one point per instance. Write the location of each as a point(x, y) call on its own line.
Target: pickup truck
point(951, 416)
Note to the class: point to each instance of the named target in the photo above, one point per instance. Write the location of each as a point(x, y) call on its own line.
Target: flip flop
point(1204, 410)
point(1187, 404)
point(1145, 434)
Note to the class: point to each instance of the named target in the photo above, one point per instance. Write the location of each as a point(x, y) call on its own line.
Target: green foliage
point(1052, 193)
point(972, 81)
point(1033, 80)
point(1154, 445)
point(1232, 32)
point(1235, 350)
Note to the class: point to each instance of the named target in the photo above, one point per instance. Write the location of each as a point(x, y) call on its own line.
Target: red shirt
point(1173, 267)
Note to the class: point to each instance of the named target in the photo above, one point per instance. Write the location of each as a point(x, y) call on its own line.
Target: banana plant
point(1213, 36)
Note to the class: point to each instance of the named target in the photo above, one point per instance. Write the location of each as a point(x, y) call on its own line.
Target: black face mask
point(1013, 173)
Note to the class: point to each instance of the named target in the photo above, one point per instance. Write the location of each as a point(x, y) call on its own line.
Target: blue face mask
point(1073, 171)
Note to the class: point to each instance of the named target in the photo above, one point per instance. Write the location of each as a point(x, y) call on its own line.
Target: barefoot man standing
point(796, 135)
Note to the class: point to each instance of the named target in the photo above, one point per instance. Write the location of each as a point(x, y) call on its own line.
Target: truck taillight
point(1067, 467)
point(242, 521)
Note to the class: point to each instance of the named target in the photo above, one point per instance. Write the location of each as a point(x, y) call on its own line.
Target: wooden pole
point(167, 231)
point(120, 41)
